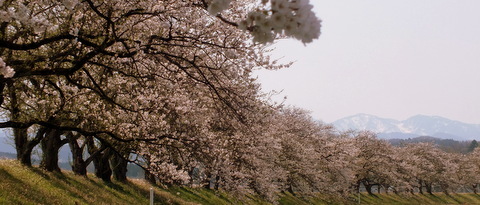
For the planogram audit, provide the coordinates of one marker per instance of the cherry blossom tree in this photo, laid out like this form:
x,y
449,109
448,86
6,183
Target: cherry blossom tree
x,y
427,166
299,155
96,58
374,164
468,167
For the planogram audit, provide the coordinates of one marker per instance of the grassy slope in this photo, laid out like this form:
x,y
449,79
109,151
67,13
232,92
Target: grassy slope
x,y
21,185
437,198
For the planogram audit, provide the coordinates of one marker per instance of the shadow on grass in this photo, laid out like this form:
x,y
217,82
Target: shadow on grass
x,y
454,198
436,198
115,187
39,172
191,195
465,198
15,185
413,197
392,197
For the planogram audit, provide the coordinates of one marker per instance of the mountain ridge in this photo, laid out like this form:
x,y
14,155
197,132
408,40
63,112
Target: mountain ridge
x,y
418,125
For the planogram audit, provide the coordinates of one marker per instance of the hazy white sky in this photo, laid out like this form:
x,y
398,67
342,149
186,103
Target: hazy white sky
x,y
393,59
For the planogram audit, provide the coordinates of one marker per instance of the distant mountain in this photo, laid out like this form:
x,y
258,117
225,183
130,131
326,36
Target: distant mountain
x,y
419,125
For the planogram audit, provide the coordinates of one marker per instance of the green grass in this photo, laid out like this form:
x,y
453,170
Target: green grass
x,y
25,185
407,199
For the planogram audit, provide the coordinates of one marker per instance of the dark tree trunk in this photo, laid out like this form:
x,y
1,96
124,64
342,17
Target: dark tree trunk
x,y
100,160
395,191
23,146
368,187
2,87
428,186
445,188
119,167
24,154
290,183
207,183
420,187
289,189
102,167
217,185
149,177
51,144
475,188
79,166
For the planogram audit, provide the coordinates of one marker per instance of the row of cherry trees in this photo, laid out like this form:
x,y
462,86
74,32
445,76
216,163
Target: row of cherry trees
x,y
168,85
419,167
164,84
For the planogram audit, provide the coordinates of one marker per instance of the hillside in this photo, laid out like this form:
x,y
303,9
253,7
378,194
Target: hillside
x,y
21,185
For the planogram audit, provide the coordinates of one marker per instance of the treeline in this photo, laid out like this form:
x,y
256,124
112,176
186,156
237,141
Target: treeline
x,y
165,85
291,152
447,145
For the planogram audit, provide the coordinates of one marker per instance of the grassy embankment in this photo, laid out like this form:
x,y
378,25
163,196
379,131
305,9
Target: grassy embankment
x,y
22,185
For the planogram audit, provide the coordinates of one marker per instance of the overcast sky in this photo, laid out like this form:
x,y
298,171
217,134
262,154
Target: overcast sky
x,y
393,59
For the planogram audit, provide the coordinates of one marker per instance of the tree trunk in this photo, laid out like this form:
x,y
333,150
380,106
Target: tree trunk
x,y
79,166
102,166
420,187
289,189
149,177
475,188
100,160
207,183
428,186
24,155
23,146
2,87
51,144
119,167
368,187
445,188
217,185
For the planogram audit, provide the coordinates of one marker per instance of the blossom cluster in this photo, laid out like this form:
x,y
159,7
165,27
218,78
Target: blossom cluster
x,y
293,18
5,70
23,15
170,172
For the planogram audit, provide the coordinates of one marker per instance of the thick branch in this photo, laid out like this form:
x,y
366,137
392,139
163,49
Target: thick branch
x,y
34,45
